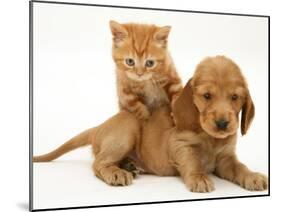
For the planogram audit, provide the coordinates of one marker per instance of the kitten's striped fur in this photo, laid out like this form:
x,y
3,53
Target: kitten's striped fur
x,y
146,76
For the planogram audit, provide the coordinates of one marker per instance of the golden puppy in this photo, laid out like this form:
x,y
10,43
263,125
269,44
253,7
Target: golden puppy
x,y
207,118
203,140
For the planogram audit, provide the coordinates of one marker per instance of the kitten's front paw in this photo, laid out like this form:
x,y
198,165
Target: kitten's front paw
x,y
142,113
255,182
200,183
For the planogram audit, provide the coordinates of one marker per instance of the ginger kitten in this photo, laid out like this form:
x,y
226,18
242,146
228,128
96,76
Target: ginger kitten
x,y
146,76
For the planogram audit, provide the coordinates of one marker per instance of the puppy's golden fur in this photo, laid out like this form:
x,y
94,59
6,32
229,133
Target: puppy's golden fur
x,y
196,146
217,92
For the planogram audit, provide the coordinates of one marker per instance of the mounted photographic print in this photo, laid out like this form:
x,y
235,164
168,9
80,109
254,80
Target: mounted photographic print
x,y
144,105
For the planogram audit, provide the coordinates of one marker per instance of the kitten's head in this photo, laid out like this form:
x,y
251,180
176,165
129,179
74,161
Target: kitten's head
x,y
139,50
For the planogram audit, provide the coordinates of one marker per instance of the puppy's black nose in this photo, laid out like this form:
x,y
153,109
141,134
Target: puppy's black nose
x,y
222,124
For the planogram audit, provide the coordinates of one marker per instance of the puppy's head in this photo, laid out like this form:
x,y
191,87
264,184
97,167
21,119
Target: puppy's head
x,y
213,99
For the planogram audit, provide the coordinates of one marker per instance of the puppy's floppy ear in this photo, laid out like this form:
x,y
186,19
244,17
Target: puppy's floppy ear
x,y
185,113
248,113
161,35
118,31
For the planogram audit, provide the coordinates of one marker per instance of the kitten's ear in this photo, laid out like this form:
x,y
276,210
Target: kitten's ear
x,y
118,31
161,35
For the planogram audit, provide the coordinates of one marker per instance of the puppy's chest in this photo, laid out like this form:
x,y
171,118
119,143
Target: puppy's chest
x,y
152,94
210,152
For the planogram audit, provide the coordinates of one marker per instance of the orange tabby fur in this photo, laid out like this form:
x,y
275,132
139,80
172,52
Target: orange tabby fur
x,y
142,88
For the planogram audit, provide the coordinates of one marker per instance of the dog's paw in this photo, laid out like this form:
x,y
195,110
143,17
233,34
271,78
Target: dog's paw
x,y
255,182
119,177
200,183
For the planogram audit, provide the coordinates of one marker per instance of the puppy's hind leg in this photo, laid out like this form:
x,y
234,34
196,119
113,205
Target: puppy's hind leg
x,y
114,142
106,164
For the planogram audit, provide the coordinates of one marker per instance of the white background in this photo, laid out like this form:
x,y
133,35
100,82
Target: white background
x,y
14,107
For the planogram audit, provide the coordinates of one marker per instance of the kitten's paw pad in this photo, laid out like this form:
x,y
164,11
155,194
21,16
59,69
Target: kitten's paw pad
x,y
255,182
119,177
200,183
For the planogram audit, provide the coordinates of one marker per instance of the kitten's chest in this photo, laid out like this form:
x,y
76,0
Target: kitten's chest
x,y
152,94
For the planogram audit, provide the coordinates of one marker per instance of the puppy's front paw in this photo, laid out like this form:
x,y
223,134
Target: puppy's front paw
x,y
200,183
255,182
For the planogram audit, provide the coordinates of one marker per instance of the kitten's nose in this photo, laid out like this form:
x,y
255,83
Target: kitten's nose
x,y
222,124
139,73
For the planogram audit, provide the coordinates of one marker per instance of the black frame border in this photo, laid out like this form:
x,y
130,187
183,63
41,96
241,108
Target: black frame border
x,y
31,103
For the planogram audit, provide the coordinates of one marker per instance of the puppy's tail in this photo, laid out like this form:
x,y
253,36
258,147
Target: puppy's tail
x,y
82,139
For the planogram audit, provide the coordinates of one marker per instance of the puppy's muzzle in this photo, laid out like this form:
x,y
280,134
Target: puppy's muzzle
x,y
222,124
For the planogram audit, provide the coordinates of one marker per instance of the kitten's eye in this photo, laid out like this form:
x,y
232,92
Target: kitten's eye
x,y
149,63
234,97
130,61
207,96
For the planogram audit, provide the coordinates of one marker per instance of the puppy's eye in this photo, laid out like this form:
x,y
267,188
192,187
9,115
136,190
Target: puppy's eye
x,y
149,63
207,96
234,97
130,61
